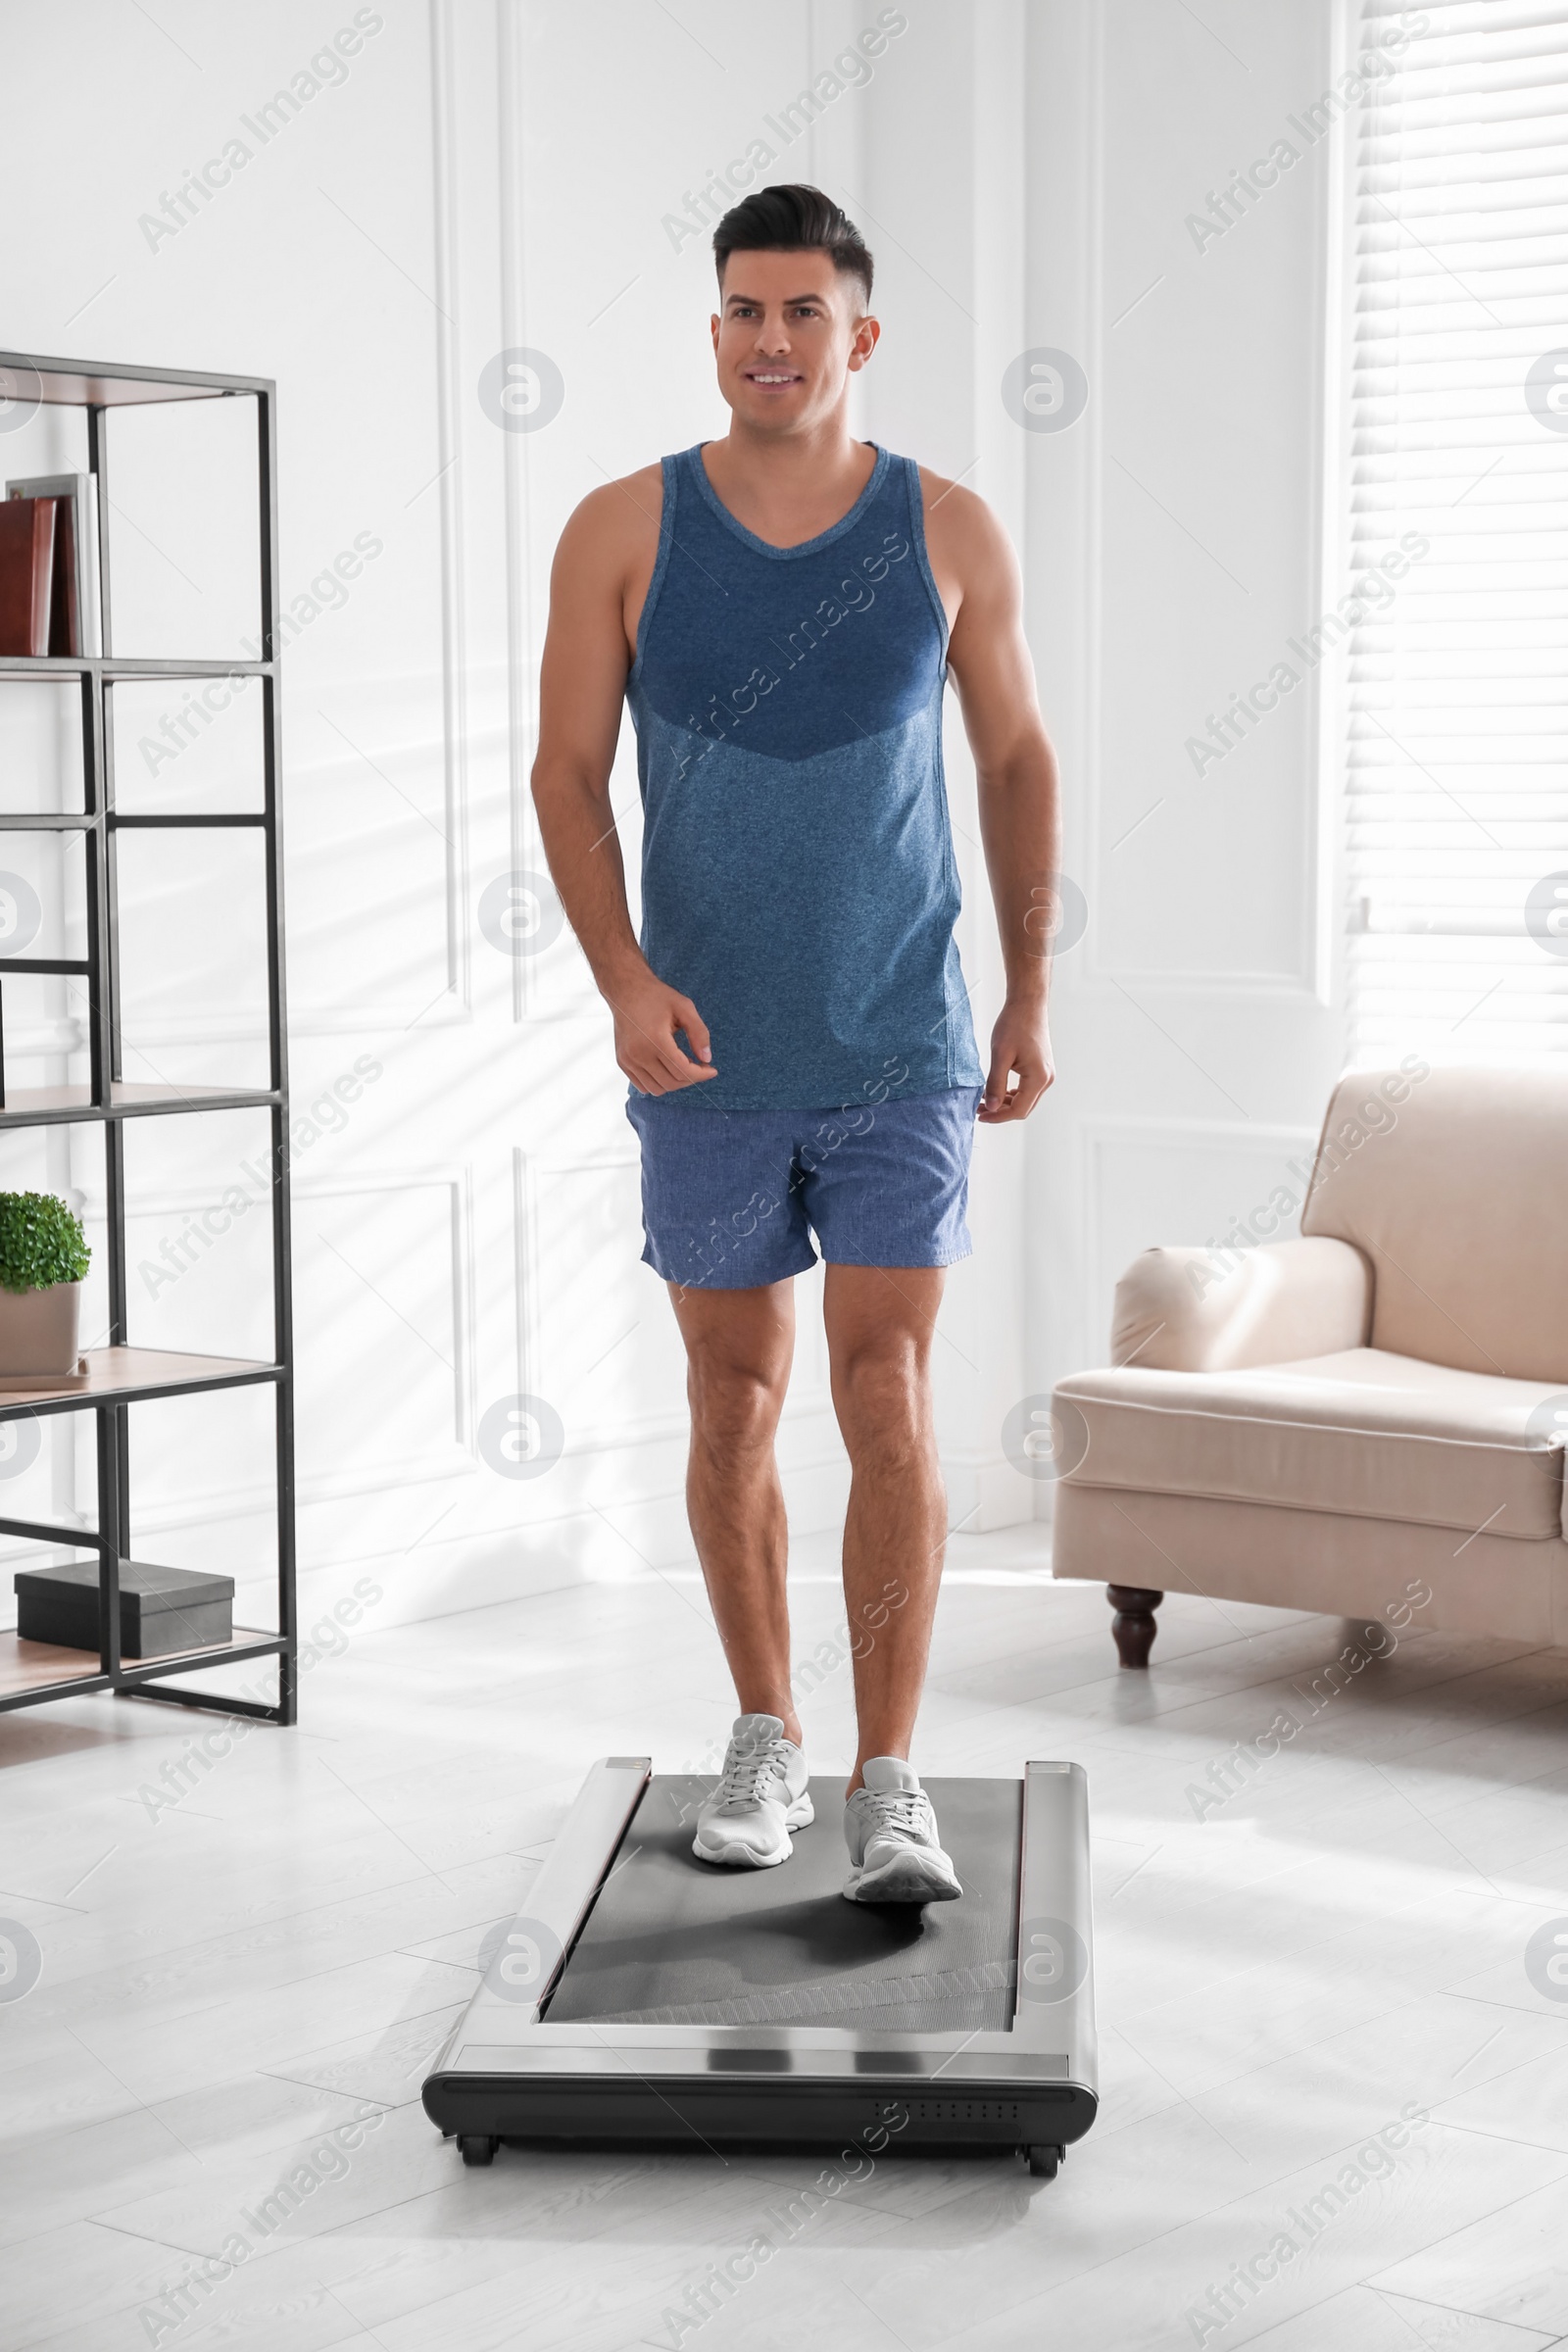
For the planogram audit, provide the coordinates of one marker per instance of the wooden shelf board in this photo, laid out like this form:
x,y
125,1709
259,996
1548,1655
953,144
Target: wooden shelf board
x,y
112,384
127,1094
116,1371
32,1665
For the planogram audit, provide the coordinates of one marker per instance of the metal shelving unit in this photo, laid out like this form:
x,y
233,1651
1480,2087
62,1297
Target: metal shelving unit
x,y
119,1375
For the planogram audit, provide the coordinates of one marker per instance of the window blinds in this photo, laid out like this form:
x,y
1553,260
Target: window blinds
x,y
1456,726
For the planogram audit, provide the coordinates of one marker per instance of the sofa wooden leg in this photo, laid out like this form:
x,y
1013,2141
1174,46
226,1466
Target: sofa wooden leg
x,y
1134,1622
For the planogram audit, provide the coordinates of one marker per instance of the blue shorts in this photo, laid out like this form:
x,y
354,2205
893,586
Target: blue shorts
x,y
731,1199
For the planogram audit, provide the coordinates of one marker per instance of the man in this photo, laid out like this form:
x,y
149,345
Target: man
x,y
781,610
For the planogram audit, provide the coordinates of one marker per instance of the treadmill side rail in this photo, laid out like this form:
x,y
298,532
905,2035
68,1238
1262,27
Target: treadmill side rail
x,y
1053,1991
532,1948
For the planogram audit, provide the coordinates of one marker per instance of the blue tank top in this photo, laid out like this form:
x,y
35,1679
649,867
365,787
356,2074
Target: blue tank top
x,y
798,876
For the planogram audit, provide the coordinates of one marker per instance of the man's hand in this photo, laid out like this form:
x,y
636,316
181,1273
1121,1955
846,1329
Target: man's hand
x,y
646,1017
1020,1043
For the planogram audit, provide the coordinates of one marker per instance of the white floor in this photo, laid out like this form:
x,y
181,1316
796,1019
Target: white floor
x,y
227,1978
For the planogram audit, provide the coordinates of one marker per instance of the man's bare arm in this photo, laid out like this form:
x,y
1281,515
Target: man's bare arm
x,y
1016,769
603,563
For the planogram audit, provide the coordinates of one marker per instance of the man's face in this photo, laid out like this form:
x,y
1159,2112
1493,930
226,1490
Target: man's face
x,y
791,329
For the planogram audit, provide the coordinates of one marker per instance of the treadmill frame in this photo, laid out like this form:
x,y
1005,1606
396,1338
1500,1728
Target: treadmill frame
x,y
506,2073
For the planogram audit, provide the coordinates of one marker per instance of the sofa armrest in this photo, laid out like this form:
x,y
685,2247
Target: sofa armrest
x,y
1211,1310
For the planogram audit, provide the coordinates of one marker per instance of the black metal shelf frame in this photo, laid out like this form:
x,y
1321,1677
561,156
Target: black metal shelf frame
x,y
98,388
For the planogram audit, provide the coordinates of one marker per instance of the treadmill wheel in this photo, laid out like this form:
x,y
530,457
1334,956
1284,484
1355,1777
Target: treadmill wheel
x,y
480,2147
1043,2161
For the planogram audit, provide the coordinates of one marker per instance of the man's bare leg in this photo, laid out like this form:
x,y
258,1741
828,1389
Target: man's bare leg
x,y
739,1344
880,1324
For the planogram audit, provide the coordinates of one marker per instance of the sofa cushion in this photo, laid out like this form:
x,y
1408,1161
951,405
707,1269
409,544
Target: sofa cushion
x,y
1365,1432
1452,1183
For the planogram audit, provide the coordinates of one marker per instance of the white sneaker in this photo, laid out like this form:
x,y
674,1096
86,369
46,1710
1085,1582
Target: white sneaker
x,y
890,1833
758,1797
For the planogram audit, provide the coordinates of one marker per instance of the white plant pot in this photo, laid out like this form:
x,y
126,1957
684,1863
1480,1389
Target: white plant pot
x,y
39,1330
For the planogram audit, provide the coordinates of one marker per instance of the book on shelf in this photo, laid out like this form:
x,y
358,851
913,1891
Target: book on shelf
x,y
26,574
74,593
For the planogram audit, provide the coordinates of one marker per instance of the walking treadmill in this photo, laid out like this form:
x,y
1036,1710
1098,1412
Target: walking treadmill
x,y
647,1999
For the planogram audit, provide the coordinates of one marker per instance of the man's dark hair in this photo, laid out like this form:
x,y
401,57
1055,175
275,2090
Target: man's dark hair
x,y
793,219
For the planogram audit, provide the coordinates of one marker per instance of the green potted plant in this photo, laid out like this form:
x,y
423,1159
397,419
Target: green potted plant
x,y
43,1257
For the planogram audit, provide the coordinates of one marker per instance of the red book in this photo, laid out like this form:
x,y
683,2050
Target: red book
x,y
27,574
73,598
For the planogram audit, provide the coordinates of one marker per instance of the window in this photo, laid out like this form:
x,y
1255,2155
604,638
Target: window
x,y
1456,709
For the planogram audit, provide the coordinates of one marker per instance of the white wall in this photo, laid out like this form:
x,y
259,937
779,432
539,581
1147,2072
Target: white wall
x,y
486,180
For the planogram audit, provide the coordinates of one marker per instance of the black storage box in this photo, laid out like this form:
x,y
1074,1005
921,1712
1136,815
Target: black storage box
x,y
161,1609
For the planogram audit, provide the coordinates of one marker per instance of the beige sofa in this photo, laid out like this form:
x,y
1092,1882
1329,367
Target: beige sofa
x,y
1368,1421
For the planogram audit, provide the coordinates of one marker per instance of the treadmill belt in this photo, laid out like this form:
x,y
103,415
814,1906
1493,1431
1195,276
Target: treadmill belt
x,y
671,1940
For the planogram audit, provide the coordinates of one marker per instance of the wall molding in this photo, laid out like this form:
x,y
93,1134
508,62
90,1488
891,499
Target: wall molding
x,y
1302,985
455,1179
521,649
450,412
